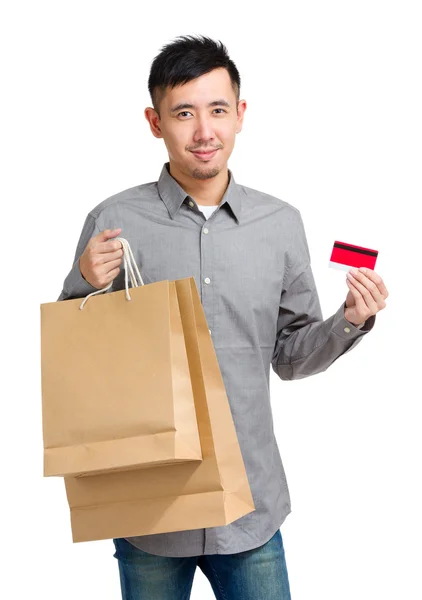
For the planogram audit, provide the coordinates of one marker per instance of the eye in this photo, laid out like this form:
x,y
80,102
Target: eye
x,y
186,112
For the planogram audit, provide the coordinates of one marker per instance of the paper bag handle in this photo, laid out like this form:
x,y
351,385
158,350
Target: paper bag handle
x,y
131,269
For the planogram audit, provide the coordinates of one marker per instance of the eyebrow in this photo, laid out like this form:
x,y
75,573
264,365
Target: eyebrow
x,y
184,105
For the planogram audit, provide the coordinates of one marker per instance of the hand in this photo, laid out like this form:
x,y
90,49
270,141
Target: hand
x,y
99,262
366,296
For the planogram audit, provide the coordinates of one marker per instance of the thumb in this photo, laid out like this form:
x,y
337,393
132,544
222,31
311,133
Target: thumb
x,y
105,235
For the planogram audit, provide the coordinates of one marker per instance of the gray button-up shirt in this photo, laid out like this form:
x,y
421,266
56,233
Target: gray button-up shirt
x,y
251,264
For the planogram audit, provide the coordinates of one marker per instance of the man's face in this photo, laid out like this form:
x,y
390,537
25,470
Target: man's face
x,y
198,122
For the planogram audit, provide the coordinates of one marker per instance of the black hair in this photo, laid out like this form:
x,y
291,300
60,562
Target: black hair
x,y
187,58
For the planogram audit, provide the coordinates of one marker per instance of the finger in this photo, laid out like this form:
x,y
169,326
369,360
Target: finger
x,y
108,277
105,235
107,257
109,267
358,298
108,246
370,286
112,274
367,301
370,273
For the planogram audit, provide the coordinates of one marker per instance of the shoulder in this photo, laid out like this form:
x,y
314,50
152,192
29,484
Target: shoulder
x,y
131,196
255,198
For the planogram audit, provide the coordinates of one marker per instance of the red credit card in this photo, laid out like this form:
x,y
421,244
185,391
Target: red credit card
x,y
344,256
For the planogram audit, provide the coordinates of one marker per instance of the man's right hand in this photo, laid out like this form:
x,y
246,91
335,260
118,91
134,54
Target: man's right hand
x,y
99,262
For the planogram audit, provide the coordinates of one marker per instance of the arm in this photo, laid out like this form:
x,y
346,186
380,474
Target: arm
x,y
75,286
306,344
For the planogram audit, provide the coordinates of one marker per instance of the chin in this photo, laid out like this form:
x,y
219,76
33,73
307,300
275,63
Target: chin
x,y
205,172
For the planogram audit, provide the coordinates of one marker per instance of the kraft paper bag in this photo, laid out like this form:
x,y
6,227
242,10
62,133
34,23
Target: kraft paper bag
x,y
176,497
116,388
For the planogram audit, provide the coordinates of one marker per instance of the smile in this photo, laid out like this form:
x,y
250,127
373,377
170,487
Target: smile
x,y
205,155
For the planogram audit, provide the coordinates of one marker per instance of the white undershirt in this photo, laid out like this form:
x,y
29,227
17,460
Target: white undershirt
x,y
207,210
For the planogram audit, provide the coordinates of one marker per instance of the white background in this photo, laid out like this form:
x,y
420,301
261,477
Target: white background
x,y
334,127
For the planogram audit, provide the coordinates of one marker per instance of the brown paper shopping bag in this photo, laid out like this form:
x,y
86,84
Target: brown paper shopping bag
x,y
116,388
177,497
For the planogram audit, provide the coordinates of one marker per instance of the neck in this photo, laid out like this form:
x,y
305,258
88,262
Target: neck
x,y
207,192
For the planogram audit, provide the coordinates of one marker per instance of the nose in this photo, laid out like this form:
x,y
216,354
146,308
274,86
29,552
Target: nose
x,y
204,130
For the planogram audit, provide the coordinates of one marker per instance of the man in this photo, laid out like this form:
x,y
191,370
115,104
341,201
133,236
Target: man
x,y
250,259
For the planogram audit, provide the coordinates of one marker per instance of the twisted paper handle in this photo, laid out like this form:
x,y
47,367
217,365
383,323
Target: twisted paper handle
x,y
131,270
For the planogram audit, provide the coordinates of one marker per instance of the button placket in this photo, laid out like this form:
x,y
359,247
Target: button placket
x,y
206,271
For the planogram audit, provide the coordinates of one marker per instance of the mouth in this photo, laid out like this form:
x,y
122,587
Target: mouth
x,y
205,155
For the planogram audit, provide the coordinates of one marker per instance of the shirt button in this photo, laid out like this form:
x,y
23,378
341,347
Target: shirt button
x,y
347,329
207,280
205,230
191,203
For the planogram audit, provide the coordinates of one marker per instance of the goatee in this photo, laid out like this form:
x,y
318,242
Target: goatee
x,y
207,174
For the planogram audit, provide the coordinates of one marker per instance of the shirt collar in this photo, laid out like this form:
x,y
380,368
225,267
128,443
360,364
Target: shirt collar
x,y
173,195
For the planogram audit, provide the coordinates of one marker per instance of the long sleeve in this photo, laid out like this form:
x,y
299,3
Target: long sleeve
x,y
305,343
75,286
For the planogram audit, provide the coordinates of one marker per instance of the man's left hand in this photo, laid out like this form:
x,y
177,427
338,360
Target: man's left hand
x,y
367,295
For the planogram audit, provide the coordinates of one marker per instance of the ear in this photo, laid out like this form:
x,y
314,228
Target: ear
x,y
153,119
241,107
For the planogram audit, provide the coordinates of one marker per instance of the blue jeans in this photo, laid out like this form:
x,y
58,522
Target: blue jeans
x,y
258,574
